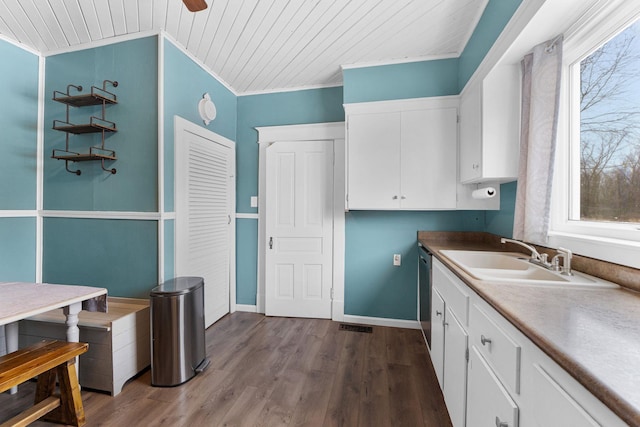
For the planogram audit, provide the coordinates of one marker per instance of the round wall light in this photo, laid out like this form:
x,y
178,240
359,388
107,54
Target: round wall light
x,y
207,109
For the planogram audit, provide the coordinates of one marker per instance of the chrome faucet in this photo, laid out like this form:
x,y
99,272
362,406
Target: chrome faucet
x,y
541,259
535,256
566,256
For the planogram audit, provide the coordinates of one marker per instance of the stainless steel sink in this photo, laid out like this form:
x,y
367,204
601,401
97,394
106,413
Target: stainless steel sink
x,y
517,270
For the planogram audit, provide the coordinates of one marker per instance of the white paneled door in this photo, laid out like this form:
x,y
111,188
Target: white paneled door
x,y
299,229
204,198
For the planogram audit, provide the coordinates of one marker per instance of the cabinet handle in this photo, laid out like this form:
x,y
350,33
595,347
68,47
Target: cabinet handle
x,y
501,423
484,340
403,197
395,198
438,313
445,324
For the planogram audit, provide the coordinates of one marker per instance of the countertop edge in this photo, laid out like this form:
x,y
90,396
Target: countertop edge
x,y
485,241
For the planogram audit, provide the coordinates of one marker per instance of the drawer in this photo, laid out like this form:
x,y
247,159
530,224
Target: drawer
x,y
452,290
499,350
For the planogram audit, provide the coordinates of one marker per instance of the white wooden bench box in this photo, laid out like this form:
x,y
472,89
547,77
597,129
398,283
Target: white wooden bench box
x,y
119,346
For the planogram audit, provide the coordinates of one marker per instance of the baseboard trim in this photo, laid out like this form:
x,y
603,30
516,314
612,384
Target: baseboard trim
x,y
246,307
381,321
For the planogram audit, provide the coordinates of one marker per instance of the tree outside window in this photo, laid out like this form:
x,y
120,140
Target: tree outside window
x,y
610,130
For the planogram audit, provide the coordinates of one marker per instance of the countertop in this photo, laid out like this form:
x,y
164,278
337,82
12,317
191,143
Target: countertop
x,y
594,334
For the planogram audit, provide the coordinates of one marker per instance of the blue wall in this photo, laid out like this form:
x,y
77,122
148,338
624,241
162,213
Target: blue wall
x,y
373,286
18,249
284,108
134,64
19,124
120,255
184,84
400,81
493,20
501,222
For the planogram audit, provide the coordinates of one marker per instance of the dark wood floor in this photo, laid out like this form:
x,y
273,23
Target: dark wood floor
x,y
281,372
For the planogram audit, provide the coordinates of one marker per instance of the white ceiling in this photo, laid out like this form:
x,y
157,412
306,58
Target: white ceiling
x,y
258,45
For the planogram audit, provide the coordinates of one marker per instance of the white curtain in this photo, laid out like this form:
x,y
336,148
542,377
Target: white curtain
x,y
539,123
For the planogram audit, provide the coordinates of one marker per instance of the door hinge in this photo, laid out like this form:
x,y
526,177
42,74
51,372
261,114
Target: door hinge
x,y
331,293
270,242
466,354
458,119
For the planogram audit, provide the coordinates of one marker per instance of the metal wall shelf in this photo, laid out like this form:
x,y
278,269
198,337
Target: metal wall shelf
x,y
97,96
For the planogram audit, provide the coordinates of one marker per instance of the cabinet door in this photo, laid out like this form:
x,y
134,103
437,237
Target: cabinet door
x,y
437,334
490,404
373,156
428,159
470,134
501,123
552,405
455,368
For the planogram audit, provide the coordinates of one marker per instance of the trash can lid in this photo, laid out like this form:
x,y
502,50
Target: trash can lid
x,y
177,286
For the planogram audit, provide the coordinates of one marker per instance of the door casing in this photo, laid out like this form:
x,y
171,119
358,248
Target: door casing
x,y
334,131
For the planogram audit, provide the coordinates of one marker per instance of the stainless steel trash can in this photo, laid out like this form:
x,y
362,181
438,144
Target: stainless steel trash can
x,y
177,331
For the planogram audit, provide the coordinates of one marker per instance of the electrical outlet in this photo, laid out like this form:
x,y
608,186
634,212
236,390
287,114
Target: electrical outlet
x,y
254,202
396,260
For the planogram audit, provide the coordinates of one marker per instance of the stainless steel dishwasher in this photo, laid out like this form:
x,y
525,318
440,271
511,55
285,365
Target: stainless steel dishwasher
x,y
424,292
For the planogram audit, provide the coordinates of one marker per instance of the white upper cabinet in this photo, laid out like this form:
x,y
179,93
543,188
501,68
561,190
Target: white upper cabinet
x,y
401,155
490,127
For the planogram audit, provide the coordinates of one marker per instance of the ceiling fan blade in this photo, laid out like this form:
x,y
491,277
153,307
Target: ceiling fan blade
x,y
195,5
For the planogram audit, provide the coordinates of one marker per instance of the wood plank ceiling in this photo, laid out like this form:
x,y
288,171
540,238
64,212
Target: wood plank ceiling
x,y
258,45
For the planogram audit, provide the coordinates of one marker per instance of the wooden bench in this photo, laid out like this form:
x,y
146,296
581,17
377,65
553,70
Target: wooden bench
x,y
46,360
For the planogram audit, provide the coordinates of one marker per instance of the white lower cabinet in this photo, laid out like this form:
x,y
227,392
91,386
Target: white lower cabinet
x,y
449,341
491,374
455,368
437,335
489,402
552,405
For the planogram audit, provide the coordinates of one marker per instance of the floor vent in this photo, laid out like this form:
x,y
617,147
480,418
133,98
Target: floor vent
x,y
356,328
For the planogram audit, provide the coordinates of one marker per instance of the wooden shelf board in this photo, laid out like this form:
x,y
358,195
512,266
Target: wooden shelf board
x,y
84,100
84,128
85,157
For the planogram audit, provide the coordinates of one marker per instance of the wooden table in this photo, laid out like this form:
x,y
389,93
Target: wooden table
x,y
20,300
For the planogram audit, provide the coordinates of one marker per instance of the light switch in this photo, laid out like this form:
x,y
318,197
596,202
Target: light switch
x,y
254,201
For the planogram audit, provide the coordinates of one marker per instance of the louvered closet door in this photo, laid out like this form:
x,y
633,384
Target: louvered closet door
x,y
203,174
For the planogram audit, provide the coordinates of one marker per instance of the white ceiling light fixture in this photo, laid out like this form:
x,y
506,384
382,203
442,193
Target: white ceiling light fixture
x,y
207,109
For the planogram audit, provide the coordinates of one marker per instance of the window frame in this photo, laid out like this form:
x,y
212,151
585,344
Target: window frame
x,y
619,243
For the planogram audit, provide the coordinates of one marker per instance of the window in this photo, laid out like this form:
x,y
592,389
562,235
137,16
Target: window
x,y
596,204
609,137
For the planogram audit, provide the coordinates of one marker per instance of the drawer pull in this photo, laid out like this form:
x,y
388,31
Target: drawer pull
x,y
484,340
501,423
438,313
